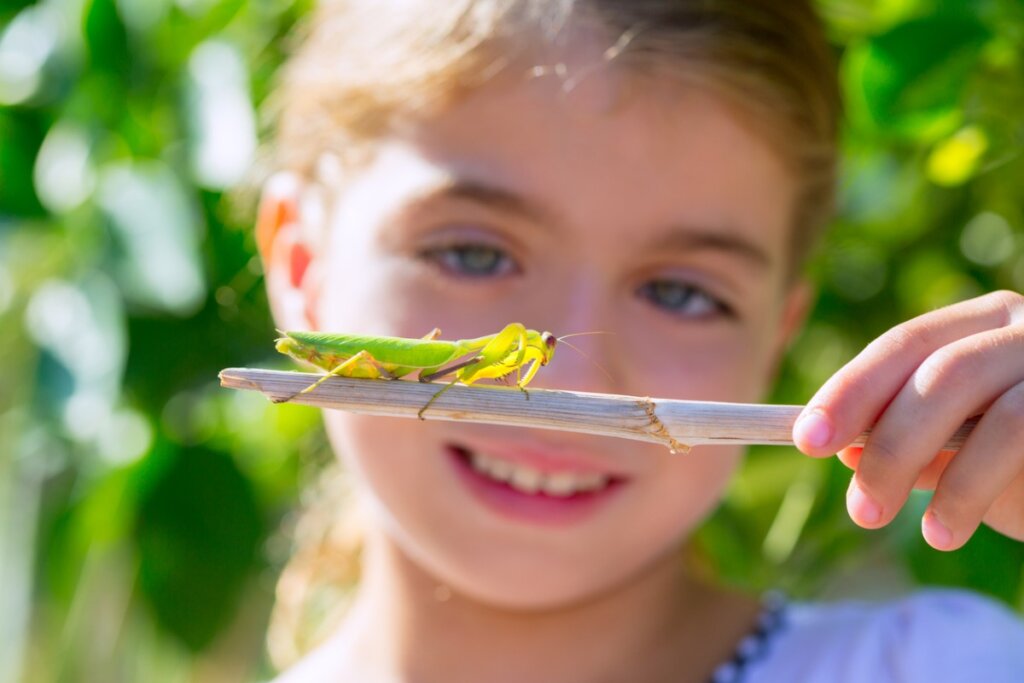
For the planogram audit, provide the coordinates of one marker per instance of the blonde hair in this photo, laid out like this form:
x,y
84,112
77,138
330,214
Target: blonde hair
x,y
364,66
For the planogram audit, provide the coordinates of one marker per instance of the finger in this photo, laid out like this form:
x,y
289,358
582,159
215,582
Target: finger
x,y
952,384
857,394
1006,515
850,456
990,460
926,479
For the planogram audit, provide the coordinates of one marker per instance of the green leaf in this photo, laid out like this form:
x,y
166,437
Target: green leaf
x,y
955,160
198,531
106,38
989,563
909,82
20,138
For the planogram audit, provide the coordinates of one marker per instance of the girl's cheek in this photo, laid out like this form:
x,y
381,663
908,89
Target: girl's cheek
x,y
369,294
725,366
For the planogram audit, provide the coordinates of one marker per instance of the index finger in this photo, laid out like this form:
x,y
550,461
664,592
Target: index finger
x,y
853,398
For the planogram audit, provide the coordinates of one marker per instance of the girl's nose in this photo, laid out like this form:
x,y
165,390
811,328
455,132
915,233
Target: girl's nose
x,y
588,358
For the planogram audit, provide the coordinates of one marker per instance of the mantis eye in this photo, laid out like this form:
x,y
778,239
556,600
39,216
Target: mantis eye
x,y
550,341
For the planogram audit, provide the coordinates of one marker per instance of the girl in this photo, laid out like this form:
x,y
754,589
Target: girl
x,y
656,170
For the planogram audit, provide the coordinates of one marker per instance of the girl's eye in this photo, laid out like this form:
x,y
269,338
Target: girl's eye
x,y
472,260
682,299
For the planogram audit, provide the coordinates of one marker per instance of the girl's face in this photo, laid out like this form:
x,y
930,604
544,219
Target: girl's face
x,y
654,217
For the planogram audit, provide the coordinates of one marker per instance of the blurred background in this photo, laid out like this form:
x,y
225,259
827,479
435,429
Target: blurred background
x,y
145,513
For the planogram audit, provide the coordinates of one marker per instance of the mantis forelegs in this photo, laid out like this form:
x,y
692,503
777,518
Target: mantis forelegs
x,y
503,353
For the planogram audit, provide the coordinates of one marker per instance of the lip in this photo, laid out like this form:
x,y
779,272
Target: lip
x,y
534,508
547,458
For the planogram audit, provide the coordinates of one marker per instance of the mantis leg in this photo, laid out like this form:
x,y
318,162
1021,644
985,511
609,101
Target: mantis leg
x,y
530,372
531,356
344,367
494,350
504,353
491,357
433,398
467,346
499,356
534,356
442,372
520,358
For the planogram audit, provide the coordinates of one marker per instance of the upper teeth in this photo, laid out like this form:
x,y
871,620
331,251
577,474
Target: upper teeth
x,y
529,480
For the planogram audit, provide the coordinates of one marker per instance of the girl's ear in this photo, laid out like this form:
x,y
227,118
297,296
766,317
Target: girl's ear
x,y
796,308
288,258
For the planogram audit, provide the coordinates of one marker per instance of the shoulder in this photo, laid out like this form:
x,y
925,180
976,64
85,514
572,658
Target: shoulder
x,y
933,635
333,660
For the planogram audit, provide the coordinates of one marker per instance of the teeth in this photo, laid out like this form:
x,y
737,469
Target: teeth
x,y
529,480
559,484
592,482
525,479
502,470
496,469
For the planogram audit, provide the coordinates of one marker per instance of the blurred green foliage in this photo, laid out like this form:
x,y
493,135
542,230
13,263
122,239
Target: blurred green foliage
x,y
140,505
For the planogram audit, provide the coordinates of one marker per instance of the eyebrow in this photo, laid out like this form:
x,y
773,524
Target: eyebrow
x,y
497,198
680,237
695,238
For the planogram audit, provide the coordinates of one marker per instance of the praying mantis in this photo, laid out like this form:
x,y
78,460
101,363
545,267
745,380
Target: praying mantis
x,y
494,356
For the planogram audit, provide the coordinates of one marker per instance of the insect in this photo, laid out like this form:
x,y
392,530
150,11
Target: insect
x,y
494,356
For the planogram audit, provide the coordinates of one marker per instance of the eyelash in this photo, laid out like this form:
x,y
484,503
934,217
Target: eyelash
x,y
684,295
452,260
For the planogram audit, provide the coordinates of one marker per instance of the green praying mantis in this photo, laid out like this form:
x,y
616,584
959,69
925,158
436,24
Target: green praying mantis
x,y
494,356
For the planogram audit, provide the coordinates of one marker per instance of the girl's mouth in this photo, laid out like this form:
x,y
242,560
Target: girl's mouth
x,y
520,491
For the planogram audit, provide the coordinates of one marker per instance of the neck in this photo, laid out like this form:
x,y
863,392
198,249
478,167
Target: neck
x,y
658,626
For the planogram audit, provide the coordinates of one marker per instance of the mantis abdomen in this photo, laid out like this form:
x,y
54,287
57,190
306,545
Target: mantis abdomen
x,y
398,355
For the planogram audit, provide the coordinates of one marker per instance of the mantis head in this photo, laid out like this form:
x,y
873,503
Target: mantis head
x,y
548,343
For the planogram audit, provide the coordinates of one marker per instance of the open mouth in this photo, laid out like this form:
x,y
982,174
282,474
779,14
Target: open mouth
x,y
524,491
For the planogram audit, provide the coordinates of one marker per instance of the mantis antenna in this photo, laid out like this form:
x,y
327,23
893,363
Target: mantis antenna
x,y
561,340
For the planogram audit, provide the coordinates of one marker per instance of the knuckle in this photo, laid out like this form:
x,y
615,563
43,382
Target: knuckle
x,y
1007,297
881,453
905,337
1008,410
1010,303
943,370
958,498
953,491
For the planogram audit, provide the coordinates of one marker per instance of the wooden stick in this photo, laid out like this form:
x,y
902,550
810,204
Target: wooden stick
x,y
676,424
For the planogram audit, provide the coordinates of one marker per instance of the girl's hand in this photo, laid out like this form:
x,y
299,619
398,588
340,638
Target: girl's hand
x,y
916,384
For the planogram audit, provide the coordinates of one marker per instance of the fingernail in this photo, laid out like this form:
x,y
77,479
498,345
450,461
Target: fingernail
x,y
813,429
862,508
935,532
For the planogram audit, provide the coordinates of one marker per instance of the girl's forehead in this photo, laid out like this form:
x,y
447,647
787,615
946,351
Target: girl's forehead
x,y
580,67
575,110
608,125
659,158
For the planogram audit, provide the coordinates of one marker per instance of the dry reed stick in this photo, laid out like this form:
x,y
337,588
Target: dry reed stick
x,y
672,423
